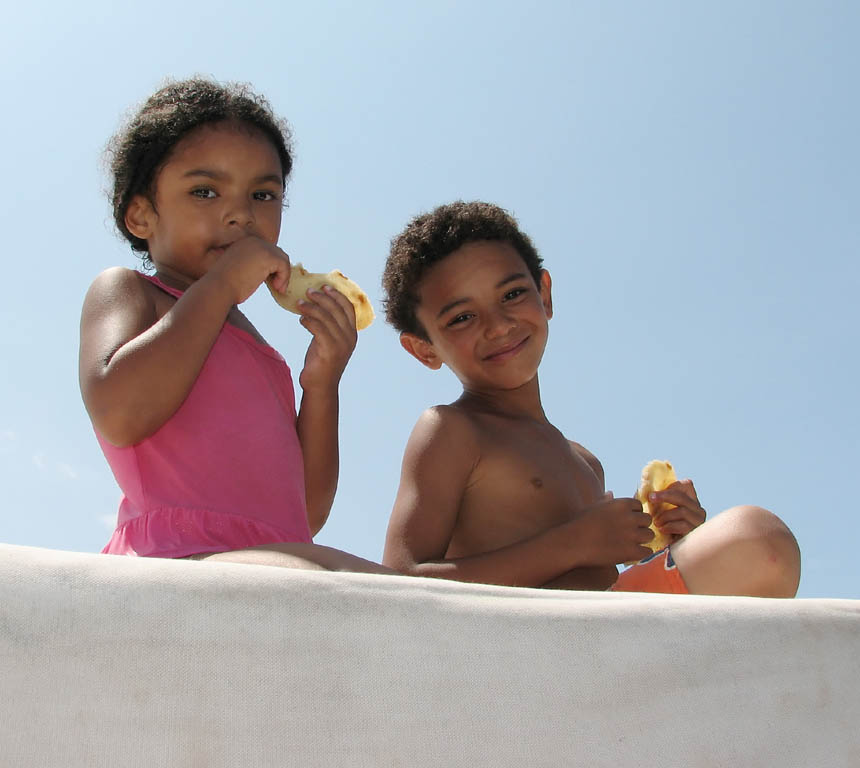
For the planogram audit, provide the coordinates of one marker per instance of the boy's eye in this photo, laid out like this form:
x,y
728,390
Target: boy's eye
x,y
461,318
205,193
513,293
265,195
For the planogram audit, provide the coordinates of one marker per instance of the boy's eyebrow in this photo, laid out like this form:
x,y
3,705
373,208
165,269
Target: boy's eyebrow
x,y
216,175
509,279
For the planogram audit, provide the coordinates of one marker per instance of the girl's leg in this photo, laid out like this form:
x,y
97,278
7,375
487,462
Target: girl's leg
x,y
311,557
743,551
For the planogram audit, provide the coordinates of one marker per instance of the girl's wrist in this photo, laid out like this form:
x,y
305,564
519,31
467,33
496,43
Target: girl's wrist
x,y
321,391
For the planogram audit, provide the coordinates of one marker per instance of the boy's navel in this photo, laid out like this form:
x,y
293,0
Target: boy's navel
x,y
537,482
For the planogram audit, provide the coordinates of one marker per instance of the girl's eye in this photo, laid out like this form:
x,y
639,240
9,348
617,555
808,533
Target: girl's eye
x,y
265,195
203,192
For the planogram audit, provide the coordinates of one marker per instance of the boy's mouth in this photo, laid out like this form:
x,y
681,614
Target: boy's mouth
x,y
509,350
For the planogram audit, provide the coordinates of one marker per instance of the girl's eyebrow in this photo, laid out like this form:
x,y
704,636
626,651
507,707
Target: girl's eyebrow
x,y
509,279
218,175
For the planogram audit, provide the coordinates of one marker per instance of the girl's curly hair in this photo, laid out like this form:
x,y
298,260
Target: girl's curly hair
x,y
140,149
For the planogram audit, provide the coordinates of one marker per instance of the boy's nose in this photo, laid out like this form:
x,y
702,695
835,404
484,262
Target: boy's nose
x,y
498,324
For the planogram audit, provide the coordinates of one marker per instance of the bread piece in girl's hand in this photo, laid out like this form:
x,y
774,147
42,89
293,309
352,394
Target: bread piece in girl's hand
x,y
656,476
301,280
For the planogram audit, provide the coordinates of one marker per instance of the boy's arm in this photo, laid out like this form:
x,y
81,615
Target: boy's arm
x,y
438,461
596,576
330,318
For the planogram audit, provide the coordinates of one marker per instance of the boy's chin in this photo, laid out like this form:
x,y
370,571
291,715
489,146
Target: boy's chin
x,y
501,384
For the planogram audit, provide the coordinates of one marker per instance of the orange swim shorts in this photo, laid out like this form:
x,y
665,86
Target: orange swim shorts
x,y
657,573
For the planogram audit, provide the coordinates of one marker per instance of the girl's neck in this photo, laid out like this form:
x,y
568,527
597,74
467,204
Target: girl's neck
x,y
173,279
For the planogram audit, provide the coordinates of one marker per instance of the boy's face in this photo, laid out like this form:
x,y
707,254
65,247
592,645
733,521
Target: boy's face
x,y
484,316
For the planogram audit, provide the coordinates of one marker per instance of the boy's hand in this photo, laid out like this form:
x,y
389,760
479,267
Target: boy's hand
x,y
614,531
687,513
330,317
247,263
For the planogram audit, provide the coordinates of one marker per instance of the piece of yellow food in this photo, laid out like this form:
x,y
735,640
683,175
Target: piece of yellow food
x,y
656,476
301,280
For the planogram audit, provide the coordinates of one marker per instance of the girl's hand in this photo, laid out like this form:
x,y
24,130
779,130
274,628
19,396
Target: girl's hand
x,y
687,513
247,263
330,317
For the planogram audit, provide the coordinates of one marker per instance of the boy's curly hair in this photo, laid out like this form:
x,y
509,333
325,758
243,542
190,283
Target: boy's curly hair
x,y
431,237
140,149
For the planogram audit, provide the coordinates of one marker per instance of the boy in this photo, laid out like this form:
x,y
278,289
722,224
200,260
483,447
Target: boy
x,y
490,490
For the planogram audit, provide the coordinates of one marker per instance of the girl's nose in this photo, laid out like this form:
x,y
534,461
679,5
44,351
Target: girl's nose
x,y
239,213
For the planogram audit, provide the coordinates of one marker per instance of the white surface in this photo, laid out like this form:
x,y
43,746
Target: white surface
x,y
143,662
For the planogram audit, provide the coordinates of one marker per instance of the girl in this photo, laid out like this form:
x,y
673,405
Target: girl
x,y
194,411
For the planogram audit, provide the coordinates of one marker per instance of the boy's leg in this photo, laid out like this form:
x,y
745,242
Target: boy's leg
x,y
311,557
742,551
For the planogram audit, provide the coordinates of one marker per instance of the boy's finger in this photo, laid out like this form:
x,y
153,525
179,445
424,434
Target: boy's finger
x,y
693,516
674,496
677,528
643,520
684,487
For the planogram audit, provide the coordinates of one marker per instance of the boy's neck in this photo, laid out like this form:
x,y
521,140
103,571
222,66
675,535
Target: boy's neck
x,y
521,402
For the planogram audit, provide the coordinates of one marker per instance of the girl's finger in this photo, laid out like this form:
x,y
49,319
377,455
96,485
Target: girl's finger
x,y
344,303
338,307
279,277
316,307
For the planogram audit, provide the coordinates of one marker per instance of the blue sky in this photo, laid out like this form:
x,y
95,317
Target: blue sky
x,y
687,170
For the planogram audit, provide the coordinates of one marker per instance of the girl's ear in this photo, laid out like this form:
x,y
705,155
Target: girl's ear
x,y
421,350
140,217
546,292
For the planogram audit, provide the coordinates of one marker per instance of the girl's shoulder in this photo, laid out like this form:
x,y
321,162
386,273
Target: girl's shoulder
x,y
123,287
123,292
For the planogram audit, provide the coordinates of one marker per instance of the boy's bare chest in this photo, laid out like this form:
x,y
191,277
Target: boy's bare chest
x,y
527,480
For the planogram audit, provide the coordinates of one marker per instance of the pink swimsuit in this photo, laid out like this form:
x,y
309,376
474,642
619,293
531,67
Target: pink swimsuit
x,y
225,471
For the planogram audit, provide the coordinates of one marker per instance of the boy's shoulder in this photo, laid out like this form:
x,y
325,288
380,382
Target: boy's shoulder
x,y
589,458
449,420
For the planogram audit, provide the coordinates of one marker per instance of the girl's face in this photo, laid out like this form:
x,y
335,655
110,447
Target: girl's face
x,y
221,183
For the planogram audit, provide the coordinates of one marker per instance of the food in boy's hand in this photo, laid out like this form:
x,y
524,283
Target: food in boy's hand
x,y
656,476
301,281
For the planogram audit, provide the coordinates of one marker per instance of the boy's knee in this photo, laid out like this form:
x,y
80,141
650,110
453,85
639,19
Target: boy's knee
x,y
773,549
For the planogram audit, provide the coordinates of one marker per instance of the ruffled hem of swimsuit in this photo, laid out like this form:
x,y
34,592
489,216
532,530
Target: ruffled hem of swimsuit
x,y
179,532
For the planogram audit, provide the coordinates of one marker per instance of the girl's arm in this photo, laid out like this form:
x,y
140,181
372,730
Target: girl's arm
x,y
136,364
330,318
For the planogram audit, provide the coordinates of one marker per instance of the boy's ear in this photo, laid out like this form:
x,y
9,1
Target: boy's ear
x,y
140,217
546,292
421,350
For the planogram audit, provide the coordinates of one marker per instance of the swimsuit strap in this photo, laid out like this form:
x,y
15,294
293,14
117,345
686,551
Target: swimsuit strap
x,y
175,292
